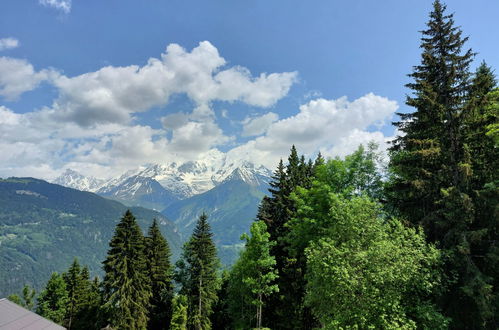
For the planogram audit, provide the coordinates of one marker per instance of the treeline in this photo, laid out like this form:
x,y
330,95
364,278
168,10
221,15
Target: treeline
x,y
340,243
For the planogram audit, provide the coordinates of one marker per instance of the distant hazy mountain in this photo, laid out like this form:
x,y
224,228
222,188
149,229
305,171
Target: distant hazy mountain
x,y
231,207
44,226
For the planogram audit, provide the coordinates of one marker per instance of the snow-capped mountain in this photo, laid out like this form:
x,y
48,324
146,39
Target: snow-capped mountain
x,y
73,179
180,180
139,191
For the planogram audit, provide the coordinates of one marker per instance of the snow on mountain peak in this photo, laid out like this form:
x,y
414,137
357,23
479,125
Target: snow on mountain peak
x,y
73,179
182,179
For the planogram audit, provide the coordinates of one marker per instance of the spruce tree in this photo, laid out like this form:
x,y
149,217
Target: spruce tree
x,y
160,275
432,166
286,309
426,158
127,289
53,300
197,273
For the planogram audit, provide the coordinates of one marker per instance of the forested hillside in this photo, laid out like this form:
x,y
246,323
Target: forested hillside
x,y
44,226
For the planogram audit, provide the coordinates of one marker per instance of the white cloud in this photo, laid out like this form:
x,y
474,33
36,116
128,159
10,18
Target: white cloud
x,y
334,126
258,125
114,94
90,126
18,76
8,43
62,5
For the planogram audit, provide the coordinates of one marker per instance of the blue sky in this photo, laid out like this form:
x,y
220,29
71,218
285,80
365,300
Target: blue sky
x,y
91,85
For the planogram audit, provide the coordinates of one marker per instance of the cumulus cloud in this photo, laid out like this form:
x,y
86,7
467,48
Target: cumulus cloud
x,y
114,94
62,5
18,76
93,124
332,126
258,125
8,43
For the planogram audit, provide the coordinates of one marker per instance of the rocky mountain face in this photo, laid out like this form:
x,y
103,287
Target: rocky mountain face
x,y
75,180
169,182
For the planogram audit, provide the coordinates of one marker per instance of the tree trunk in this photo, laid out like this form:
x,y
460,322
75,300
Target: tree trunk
x,y
259,312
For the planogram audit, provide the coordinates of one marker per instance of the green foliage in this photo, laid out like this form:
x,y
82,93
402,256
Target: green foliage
x,y
127,289
15,299
179,315
44,226
232,199
160,274
286,308
442,164
53,300
27,300
83,298
197,274
254,275
220,318
366,273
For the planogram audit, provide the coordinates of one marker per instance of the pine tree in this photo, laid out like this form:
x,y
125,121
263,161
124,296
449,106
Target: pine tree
x,y
432,165
53,300
197,273
126,286
160,275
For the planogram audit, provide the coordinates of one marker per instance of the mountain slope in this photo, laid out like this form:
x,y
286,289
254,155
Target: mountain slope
x,y
231,207
139,191
75,180
180,179
43,226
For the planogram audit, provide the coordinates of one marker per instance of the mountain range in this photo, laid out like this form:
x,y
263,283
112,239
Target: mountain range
x,y
228,191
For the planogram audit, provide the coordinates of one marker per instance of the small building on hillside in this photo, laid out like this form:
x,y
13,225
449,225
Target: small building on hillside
x,y
15,317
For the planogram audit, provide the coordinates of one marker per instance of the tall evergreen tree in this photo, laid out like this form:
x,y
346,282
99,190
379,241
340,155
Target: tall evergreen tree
x,y
426,158
160,275
286,309
76,287
53,300
432,165
197,273
127,289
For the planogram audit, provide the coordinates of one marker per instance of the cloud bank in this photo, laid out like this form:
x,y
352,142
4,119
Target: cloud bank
x,y
95,123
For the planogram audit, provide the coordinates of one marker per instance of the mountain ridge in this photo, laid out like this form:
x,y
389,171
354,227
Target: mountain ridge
x,y
43,226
